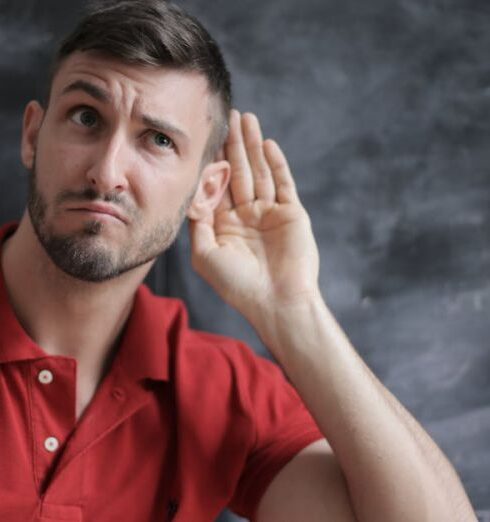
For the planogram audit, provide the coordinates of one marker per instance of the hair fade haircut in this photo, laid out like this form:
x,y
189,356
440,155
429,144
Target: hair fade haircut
x,y
155,33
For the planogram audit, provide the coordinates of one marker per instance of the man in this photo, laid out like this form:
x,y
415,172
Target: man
x,y
111,407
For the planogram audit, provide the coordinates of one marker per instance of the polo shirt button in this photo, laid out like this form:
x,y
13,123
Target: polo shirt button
x,y
45,377
51,444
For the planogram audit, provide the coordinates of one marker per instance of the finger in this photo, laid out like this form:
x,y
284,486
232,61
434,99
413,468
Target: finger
x,y
226,202
254,144
281,173
202,238
241,182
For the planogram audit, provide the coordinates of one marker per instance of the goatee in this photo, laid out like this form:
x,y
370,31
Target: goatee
x,y
85,254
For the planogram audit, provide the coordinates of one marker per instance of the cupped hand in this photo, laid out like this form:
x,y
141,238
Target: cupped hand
x,y
258,249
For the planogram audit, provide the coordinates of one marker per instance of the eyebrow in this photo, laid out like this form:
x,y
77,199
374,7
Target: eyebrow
x,y
164,127
105,97
90,89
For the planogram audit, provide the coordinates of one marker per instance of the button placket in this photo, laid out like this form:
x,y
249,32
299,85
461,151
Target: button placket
x,y
45,377
53,407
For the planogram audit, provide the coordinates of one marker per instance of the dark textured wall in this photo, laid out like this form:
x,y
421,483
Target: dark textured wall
x,y
383,108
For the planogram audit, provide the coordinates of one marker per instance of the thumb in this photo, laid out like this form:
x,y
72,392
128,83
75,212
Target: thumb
x,y
202,237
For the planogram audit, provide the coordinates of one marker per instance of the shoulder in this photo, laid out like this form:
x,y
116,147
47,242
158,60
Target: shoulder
x,y
220,373
169,316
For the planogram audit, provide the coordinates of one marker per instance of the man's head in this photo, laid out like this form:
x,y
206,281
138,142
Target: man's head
x,y
125,144
155,33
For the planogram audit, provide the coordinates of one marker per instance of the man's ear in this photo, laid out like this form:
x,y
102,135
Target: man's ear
x,y
210,190
33,118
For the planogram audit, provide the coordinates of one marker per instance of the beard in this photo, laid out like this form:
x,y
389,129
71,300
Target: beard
x,y
83,254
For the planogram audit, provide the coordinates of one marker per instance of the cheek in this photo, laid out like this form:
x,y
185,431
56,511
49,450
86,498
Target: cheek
x,y
163,200
58,165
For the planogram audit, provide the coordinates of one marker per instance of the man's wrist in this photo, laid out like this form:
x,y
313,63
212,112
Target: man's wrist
x,y
282,324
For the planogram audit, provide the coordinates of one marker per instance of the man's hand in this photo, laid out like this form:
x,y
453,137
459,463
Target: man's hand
x,y
257,250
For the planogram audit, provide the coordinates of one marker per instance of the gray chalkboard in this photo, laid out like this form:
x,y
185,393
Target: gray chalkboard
x,y
383,108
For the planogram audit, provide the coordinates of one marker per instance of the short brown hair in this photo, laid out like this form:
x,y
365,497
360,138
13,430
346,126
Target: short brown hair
x,y
155,33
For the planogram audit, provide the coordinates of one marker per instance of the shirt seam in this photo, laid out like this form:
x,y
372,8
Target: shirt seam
x,y
27,371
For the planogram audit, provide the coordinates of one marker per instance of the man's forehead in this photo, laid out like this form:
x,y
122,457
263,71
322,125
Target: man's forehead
x,y
113,78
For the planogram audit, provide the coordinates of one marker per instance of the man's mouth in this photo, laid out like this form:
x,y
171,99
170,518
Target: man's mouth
x,y
100,209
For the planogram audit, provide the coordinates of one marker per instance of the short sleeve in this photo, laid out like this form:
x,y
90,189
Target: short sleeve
x,y
283,427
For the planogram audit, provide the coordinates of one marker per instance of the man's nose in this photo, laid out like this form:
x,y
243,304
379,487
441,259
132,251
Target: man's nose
x,y
110,167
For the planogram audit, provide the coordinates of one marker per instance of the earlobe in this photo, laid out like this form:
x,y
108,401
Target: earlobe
x,y
33,118
212,186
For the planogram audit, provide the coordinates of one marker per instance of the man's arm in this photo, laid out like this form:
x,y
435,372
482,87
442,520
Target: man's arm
x,y
392,468
257,250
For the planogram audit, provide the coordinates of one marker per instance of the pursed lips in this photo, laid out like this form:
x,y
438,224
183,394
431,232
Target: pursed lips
x,y
99,208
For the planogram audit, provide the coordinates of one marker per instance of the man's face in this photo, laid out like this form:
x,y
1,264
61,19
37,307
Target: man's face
x,y
115,163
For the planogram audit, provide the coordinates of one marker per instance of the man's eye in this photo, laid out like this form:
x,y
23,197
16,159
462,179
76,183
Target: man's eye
x,y
163,141
85,117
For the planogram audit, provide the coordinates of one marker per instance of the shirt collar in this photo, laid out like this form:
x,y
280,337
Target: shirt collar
x,y
15,344
144,350
144,347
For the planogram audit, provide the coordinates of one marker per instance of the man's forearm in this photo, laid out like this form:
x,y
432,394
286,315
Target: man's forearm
x,y
394,471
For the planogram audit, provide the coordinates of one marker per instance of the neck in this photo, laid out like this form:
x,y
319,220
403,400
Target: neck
x,y
63,315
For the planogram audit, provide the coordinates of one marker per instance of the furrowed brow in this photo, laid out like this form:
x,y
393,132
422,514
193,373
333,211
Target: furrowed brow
x,y
164,126
89,88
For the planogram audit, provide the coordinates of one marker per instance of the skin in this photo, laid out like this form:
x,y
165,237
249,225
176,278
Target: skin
x,y
378,464
117,158
80,131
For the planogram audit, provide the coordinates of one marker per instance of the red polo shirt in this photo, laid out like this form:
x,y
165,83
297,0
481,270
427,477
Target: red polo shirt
x,y
184,424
